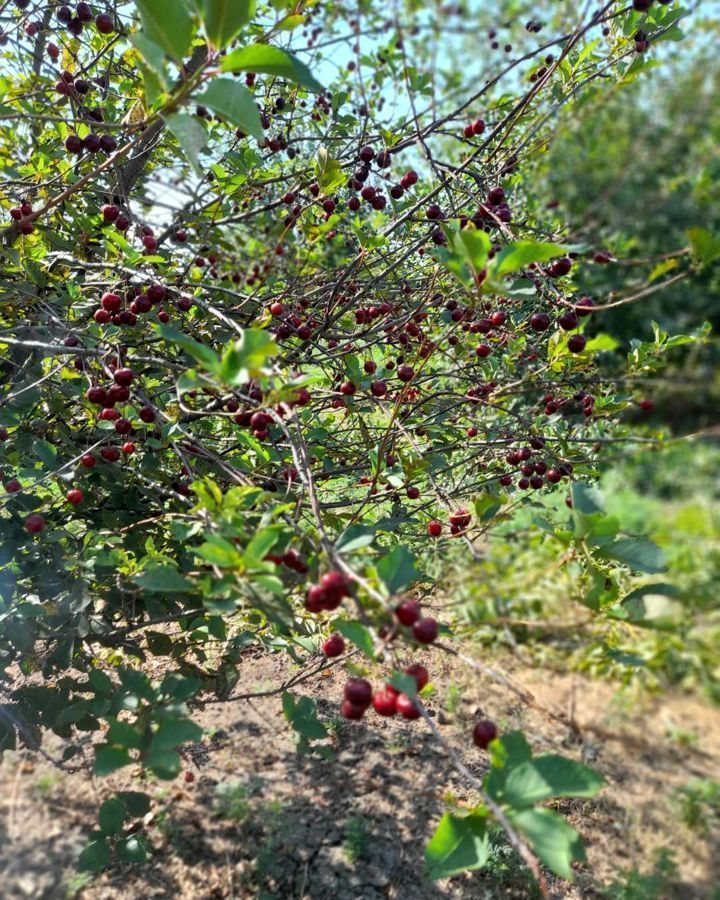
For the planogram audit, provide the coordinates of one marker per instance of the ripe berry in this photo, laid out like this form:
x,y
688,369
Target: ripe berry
x,y
74,144
385,702
358,691
334,646
351,710
419,673
87,460
123,376
408,612
104,23
110,454
413,492
34,523
434,528
407,707
433,211
74,496
576,343
484,732
378,388
425,630
12,486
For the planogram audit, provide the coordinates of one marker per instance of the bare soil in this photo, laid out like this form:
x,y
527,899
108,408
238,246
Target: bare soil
x,y
260,821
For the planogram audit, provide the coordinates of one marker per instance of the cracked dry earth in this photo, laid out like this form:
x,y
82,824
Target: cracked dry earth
x,y
259,821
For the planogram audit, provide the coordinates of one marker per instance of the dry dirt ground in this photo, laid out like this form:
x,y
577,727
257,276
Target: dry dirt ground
x,y
259,821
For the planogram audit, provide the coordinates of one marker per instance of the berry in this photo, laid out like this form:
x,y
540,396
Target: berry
x,y
34,523
407,707
378,388
484,732
419,673
358,691
75,496
334,646
425,631
12,486
104,23
123,376
408,612
576,343
352,710
434,528
87,460
385,702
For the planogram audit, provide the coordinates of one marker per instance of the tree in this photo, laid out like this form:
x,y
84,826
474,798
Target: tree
x,y
279,323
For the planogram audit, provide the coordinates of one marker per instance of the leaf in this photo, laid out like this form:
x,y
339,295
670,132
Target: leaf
x,y
172,30
520,254
95,856
191,136
112,815
136,802
548,776
219,552
246,357
152,54
460,843
271,61
555,842
397,569
223,19
704,246
163,763
133,848
586,500
359,635
328,171
162,579
234,103
109,758
302,716
355,537
174,732
640,554
198,351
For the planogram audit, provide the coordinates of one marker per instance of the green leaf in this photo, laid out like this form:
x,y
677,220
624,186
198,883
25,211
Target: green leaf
x,y
163,763
223,19
123,734
133,848
586,500
355,537
640,554
219,552
555,842
174,732
198,351
302,716
328,171
520,254
109,758
191,136
136,802
100,682
271,61
153,56
112,815
548,776
95,856
705,246
460,843
163,579
397,569
234,103
246,357
172,30
359,635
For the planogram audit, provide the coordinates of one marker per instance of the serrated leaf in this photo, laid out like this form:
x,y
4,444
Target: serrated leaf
x,y
640,554
460,843
153,56
198,351
234,103
548,776
271,61
163,579
397,569
219,552
174,732
520,254
246,357
163,763
109,758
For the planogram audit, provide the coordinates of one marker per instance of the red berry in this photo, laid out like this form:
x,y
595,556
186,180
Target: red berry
x,y
352,710
407,707
434,528
87,460
408,612
385,702
34,523
576,343
484,732
378,388
12,486
75,496
419,673
358,691
334,646
123,376
425,630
